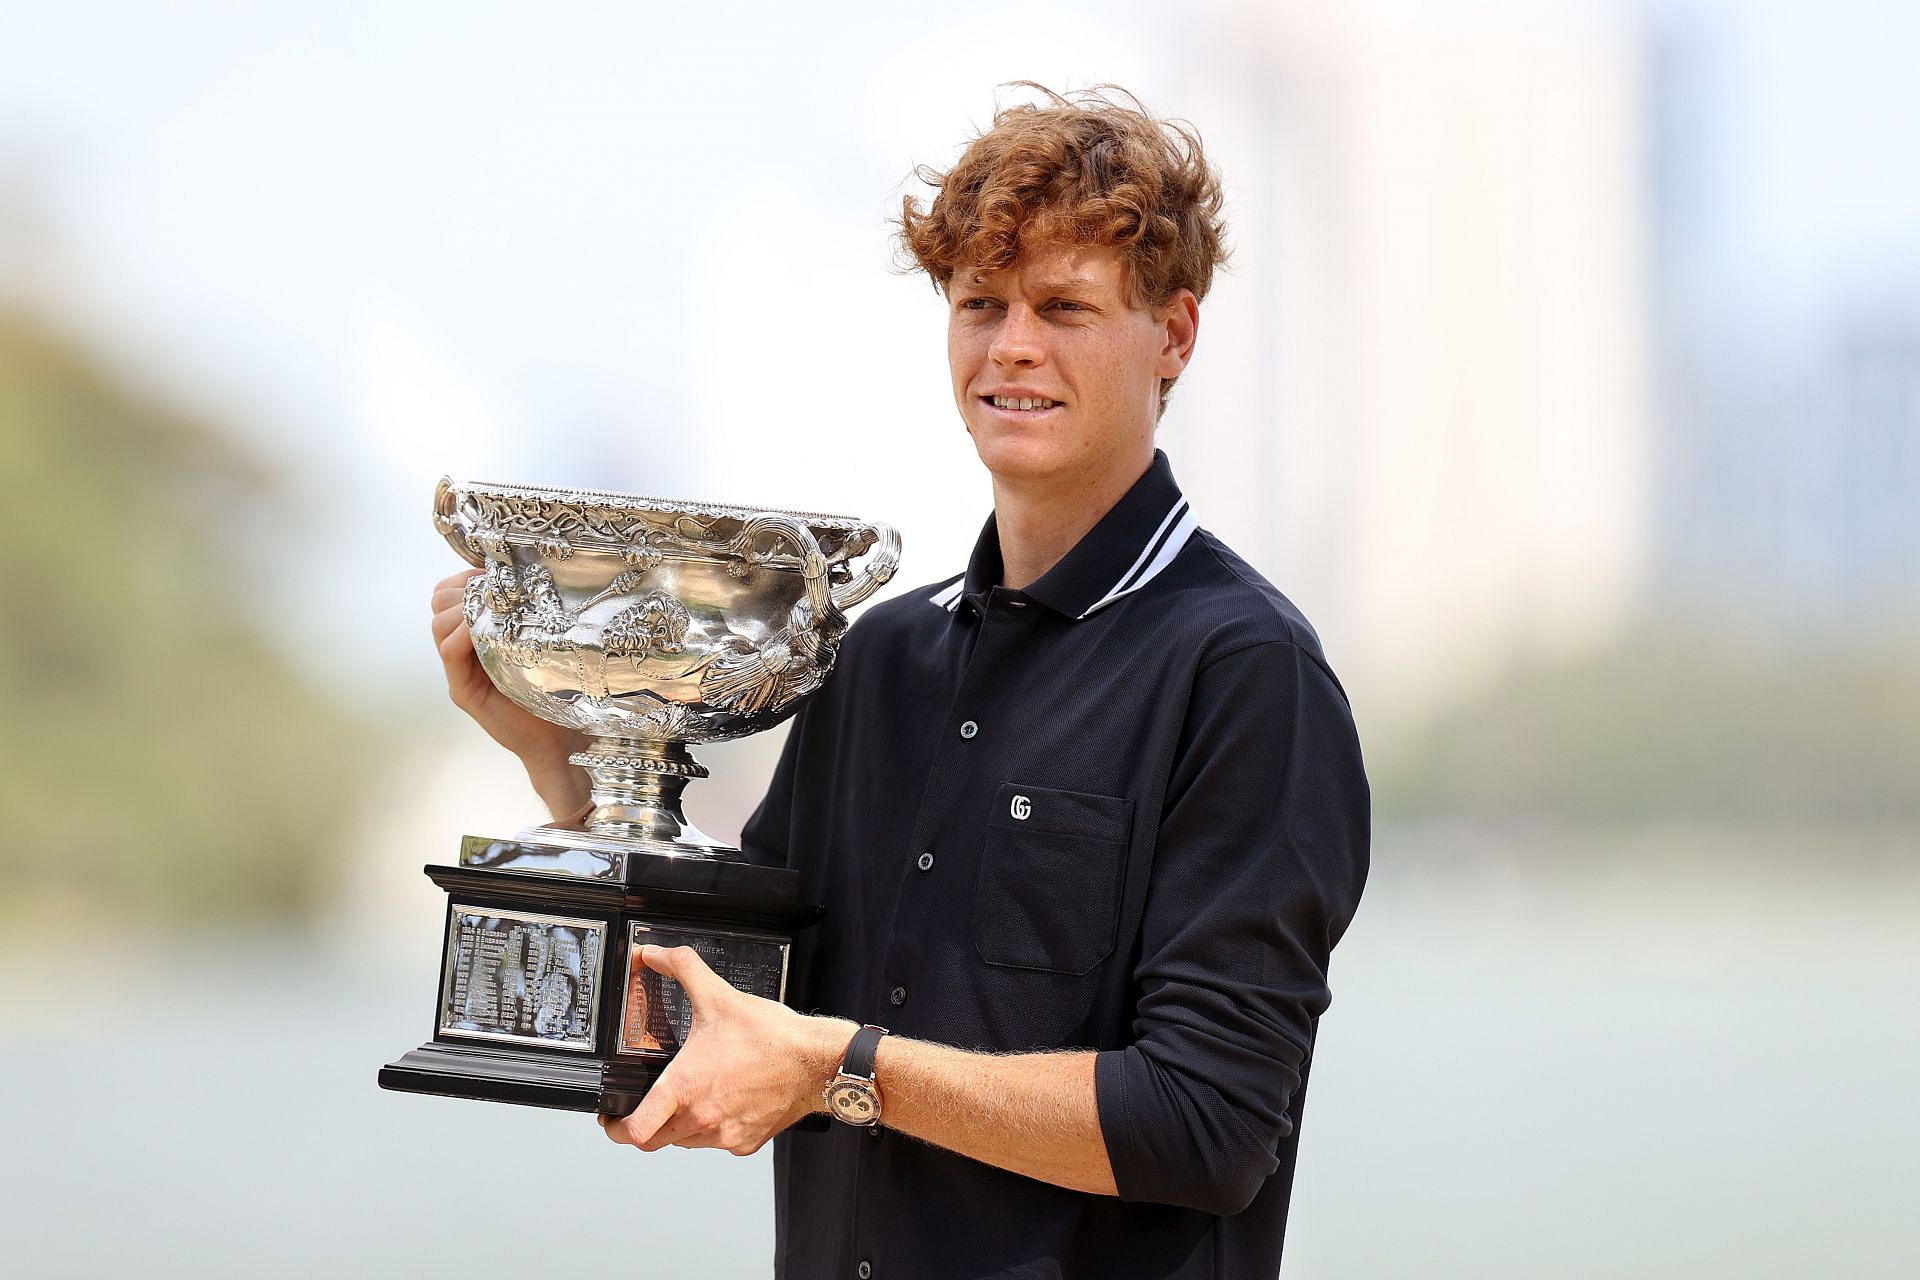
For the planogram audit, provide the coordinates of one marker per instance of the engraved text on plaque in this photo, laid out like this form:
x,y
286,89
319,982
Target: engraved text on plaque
x,y
511,975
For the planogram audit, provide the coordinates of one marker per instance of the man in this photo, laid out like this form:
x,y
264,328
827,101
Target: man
x,y
1089,818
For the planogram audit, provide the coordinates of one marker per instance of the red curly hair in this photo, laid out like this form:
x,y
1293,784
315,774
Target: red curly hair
x,y
1092,167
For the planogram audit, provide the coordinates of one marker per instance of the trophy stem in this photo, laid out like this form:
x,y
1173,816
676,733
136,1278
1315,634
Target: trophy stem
x,y
636,789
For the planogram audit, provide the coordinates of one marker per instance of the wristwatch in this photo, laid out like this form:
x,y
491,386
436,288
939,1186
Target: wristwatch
x,y
852,1096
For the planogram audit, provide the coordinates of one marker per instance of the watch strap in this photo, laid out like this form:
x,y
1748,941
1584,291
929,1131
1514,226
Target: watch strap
x,y
861,1051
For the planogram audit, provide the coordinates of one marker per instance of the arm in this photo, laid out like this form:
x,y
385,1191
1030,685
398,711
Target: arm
x,y
1031,1113
1261,857
752,1067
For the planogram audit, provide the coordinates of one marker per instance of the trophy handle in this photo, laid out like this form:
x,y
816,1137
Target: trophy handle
x,y
876,572
446,519
817,611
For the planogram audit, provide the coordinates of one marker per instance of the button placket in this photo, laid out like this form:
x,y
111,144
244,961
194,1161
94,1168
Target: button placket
x,y
956,762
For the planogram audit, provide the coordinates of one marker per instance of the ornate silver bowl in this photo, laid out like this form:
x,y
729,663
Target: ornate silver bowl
x,y
650,624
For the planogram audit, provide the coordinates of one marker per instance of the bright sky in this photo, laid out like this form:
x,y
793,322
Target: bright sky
x,y
644,247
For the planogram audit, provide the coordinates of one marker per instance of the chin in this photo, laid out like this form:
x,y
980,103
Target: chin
x,y
1019,456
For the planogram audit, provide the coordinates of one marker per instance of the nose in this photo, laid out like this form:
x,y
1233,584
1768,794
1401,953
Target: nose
x,y
1017,341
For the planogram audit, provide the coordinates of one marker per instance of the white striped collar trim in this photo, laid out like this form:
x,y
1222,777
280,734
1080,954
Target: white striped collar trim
x,y
948,597
1167,543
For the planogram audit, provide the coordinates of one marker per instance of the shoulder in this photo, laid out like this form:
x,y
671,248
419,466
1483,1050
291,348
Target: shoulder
x,y
909,610
1228,607
896,623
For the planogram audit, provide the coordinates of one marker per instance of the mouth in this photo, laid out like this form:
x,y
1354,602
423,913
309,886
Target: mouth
x,y
1022,406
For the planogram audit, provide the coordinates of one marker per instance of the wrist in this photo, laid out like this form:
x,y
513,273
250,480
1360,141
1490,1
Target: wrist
x,y
824,1049
562,787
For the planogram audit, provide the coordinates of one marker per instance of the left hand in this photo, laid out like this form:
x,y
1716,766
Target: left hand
x,y
750,1067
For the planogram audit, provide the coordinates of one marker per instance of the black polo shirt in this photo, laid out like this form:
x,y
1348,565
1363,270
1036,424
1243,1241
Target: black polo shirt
x,y
1120,810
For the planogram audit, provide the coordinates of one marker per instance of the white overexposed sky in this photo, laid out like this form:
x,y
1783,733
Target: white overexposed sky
x,y
645,247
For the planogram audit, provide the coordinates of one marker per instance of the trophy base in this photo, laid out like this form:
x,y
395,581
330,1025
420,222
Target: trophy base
x,y
543,998
528,1078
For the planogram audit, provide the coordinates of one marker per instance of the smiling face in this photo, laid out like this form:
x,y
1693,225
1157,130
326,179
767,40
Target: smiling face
x,y
1055,371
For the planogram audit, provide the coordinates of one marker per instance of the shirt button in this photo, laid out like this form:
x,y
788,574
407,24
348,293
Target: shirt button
x,y
898,995
925,862
968,729
865,1270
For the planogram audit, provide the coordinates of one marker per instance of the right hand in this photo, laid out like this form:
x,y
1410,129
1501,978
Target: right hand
x,y
543,747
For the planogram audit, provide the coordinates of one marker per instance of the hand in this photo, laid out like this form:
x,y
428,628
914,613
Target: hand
x,y
543,747
749,1068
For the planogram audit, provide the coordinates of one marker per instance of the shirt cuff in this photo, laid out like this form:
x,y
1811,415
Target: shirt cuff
x,y
1169,1145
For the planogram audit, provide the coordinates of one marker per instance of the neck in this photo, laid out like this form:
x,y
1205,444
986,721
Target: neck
x,y
1040,521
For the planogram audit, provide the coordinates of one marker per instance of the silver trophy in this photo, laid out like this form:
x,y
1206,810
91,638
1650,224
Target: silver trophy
x,y
647,625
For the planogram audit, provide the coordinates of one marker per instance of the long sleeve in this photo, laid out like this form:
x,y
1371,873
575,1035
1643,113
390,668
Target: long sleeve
x,y
1259,863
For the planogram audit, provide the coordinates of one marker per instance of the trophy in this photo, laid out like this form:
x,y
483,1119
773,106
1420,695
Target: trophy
x,y
647,625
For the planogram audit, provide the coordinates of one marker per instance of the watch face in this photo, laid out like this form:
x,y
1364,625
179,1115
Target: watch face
x,y
853,1101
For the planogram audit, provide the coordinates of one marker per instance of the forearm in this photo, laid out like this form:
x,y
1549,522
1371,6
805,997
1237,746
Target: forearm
x,y
752,1067
1032,1113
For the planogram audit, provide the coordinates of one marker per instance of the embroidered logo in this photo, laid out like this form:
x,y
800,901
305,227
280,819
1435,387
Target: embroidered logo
x,y
1021,807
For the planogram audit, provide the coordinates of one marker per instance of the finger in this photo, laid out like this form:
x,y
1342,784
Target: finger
x,y
682,1131
449,624
456,646
449,620
456,580
686,967
615,1127
445,598
467,681
654,1113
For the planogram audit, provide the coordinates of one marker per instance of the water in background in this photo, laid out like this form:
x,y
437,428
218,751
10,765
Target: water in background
x,y
1681,1055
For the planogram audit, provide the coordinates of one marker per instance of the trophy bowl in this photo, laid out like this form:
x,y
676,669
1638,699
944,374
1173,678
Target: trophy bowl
x,y
650,624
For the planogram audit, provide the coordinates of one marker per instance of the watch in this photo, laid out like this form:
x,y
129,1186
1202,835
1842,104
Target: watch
x,y
852,1096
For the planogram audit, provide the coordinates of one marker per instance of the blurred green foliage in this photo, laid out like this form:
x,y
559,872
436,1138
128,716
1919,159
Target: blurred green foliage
x,y
157,755
1680,726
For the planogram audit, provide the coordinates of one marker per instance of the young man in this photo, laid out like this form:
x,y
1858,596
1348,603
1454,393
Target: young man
x,y
1089,818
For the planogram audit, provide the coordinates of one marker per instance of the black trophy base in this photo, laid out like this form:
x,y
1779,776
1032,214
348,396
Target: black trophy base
x,y
543,1000
526,1077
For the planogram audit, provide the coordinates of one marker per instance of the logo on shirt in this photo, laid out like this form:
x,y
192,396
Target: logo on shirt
x,y
1021,807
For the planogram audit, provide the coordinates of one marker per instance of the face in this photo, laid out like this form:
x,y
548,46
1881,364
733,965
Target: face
x,y
1056,373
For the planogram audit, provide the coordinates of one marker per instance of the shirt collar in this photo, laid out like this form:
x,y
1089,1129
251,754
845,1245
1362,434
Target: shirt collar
x,y
1132,543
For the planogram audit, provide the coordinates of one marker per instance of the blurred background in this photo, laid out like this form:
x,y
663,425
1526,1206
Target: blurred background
x,y
1567,375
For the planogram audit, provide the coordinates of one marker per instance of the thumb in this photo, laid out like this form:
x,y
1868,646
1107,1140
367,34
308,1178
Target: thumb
x,y
686,967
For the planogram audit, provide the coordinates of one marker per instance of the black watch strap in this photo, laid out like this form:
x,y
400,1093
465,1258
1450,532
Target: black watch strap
x,y
861,1051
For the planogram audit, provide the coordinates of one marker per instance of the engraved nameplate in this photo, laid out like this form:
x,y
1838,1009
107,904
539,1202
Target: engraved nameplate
x,y
525,978
658,1015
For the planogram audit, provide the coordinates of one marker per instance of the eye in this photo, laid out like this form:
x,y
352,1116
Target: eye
x,y
977,304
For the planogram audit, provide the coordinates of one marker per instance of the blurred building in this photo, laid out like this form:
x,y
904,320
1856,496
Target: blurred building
x,y
1789,442
1422,401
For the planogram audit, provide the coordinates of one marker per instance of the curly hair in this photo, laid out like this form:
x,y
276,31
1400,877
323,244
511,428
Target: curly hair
x,y
1093,167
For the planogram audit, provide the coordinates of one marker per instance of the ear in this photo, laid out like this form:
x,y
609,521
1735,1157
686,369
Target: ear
x,y
1180,328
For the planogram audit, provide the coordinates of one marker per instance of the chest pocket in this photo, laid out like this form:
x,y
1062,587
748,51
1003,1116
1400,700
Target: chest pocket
x,y
1049,891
